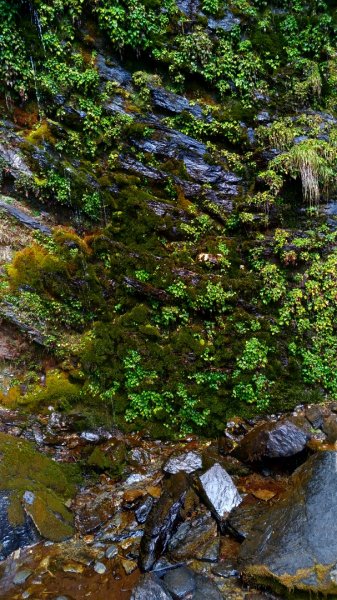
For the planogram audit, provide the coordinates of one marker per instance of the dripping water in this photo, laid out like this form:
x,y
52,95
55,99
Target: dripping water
x,y
36,87
36,21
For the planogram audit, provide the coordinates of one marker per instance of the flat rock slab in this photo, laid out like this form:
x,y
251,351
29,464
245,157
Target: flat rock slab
x,y
295,542
23,218
271,440
219,491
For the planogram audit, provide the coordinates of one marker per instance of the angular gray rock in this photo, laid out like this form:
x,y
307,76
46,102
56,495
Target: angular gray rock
x,y
174,103
162,521
180,582
187,462
196,539
150,588
295,542
143,511
271,440
219,491
21,216
206,589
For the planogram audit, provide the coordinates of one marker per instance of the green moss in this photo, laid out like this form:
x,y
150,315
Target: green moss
x,y
58,391
111,460
37,485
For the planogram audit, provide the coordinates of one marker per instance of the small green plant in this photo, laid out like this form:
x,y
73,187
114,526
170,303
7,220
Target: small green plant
x,y
251,385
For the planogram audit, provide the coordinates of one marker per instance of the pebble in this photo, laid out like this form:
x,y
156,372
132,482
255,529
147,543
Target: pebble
x,y
129,566
100,568
111,552
22,576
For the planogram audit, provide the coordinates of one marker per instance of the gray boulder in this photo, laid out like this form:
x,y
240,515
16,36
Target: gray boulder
x,y
271,440
294,543
180,582
150,588
206,589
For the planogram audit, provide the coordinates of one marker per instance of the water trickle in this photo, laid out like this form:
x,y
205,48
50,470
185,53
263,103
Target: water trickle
x,y
36,21
36,87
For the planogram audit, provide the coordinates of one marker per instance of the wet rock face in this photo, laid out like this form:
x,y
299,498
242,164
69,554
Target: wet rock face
x,y
295,542
226,23
242,519
173,103
14,159
189,7
162,521
271,440
150,588
219,491
113,72
174,144
22,217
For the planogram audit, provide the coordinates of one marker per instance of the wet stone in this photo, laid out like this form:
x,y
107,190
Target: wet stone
x,y
188,462
111,552
242,519
163,565
99,568
143,510
13,537
162,520
150,587
219,491
315,416
295,542
227,23
271,440
196,539
129,566
206,588
180,582
225,569
21,576
174,103
329,427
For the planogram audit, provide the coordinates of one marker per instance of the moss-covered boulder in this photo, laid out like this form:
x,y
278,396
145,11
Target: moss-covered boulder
x,y
37,492
293,546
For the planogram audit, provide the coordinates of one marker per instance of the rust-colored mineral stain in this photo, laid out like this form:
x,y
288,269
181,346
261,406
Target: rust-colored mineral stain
x,y
76,586
53,576
264,488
